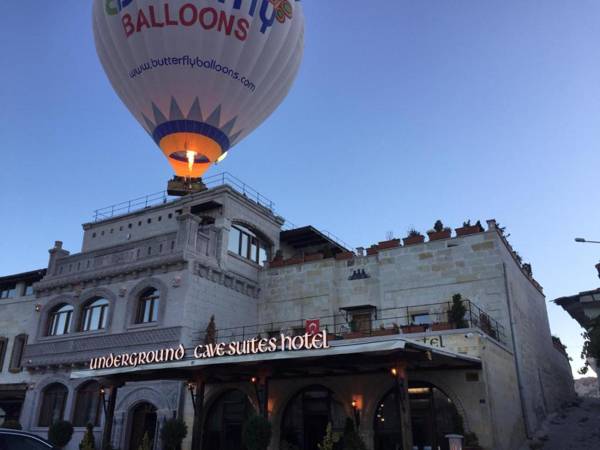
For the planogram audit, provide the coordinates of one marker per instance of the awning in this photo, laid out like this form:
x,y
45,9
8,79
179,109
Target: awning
x,y
342,357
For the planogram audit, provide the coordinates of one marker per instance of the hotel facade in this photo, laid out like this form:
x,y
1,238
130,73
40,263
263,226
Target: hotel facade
x,y
205,308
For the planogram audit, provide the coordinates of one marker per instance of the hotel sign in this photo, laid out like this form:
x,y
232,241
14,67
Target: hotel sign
x,y
254,346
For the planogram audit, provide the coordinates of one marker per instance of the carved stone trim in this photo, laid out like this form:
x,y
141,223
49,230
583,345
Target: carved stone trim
x,y
227,279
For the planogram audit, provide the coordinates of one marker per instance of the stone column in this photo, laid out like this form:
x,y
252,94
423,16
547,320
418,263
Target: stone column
x,y
402,403
198,389
109,416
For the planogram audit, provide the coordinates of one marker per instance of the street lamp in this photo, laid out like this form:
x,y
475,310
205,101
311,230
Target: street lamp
x,y
585,241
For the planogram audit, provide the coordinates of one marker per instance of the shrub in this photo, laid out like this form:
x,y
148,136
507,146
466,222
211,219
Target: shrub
x,y
12,425
457,312
257,433
60,433
351,438
329,440
88,443
172,434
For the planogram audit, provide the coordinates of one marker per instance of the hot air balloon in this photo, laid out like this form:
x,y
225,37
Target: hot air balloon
x,y
199,75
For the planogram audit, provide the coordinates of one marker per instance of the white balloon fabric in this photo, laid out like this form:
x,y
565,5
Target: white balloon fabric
x,y
199,75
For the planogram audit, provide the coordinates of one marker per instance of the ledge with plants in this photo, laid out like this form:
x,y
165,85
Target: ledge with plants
x,y
439,231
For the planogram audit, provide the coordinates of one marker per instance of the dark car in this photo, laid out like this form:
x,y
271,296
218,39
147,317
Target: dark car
x,y
19,440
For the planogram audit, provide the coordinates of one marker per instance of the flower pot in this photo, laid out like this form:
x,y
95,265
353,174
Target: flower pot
x,y
372,250
472,229
344,256
277,263
441,326
353,335
438,235
411,240
384,332
413,328
392,243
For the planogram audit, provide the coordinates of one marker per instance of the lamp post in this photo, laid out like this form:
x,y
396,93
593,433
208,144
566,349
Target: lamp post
x,y
585,241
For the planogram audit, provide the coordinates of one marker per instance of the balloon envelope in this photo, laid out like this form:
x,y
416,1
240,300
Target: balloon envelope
x,y
199,75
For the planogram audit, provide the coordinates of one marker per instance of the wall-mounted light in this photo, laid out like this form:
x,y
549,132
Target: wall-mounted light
x,y
191,387
357,403
253,380
38,307
102,393
394,372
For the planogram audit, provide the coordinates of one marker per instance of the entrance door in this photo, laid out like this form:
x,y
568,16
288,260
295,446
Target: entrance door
x,y
225,421
143,423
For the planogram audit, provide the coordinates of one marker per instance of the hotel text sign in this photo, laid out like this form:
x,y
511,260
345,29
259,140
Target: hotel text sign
x,y
252,346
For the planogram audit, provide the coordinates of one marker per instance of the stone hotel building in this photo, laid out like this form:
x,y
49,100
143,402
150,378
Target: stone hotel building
x,y
207,308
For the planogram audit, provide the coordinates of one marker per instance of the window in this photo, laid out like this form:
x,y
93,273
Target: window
x,y
28,288
54,399
421,319
87,405
95,315
60,320
8,291
17,353
248,245
148,306
3,345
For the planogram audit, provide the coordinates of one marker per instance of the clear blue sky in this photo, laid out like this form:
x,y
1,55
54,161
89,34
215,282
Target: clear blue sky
x,y
404,112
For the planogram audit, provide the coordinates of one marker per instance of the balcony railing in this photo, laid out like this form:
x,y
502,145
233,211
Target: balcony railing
x,y
432,317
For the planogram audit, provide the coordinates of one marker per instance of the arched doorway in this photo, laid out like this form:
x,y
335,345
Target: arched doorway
x,y
306,417
225,420
433,415
143,422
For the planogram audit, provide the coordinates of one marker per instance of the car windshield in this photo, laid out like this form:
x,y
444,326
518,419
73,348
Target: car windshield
x,y
21,442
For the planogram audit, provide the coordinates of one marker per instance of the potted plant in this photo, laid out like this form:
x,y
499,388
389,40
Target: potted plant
x,y
88,443
414,237
441,321
172,434
467,228
486,325
414,328
60,433
354,331
256,433
471,442
390,243
457,312
439,231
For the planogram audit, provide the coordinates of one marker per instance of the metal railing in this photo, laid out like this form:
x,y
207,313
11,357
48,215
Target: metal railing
x,y
385,321
162,197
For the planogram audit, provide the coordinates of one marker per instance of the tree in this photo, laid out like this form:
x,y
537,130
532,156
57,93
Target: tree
x,y
257,433
60,433
591,344
88,442
457,312
329,440
172,434
352,439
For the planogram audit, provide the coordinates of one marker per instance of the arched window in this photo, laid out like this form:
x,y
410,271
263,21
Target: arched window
x,y
95,315
247,244
225,420
307,415
60,320
87,405
54,399
148,303
433,416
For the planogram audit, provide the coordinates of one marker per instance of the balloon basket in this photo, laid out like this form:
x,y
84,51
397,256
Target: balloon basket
x,y
180,186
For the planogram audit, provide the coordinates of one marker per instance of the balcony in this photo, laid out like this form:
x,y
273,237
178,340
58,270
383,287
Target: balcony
x,y
367,321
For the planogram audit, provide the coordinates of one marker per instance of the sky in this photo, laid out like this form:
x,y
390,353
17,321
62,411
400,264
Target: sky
x,y
404,112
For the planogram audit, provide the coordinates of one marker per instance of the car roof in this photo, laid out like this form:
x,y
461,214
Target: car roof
x,y
22,433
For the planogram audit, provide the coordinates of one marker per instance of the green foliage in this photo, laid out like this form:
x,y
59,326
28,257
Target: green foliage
x,y
352,439
60,433
172,434
457,312
12,425
257,433
591,344
88,443
414,233
329,440
146,443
